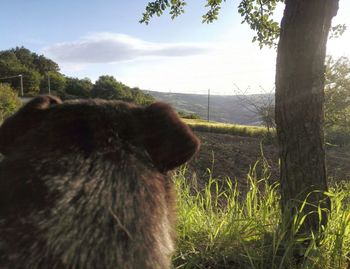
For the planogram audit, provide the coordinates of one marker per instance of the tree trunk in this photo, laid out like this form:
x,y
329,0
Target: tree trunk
x,y
300,82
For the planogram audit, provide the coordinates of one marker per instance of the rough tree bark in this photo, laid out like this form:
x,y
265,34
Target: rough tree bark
x,y
299,103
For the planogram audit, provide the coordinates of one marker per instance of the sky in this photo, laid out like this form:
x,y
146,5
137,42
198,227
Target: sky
x,y
90,38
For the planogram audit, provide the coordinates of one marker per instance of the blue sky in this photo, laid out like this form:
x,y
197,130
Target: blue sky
x,y
89,38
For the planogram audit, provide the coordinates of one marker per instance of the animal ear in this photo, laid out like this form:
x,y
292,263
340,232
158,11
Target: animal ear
x,y
27,118
168,140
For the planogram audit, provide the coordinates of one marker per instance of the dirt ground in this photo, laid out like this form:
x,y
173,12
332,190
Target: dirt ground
x,y
232,156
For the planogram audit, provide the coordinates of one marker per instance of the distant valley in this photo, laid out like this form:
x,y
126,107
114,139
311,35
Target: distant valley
x,y
222,108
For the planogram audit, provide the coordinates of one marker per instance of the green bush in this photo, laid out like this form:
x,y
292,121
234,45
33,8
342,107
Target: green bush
x,y
339,136
9,101
79,88
187,115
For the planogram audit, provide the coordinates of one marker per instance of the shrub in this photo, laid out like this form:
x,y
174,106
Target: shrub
x,y
339,136
9,101
188,115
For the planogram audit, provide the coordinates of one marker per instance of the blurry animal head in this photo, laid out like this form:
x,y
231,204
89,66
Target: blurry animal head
x,y
84,184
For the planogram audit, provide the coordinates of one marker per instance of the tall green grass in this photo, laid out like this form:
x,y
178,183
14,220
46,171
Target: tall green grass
x,y
226,228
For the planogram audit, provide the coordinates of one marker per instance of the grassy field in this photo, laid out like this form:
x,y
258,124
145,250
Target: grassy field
x,y
226,128
227,229
336,136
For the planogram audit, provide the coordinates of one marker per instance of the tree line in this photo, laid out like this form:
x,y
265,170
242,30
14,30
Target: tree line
x,y
39,73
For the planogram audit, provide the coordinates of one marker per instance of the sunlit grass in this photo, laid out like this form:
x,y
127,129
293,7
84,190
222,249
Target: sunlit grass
x,y
226,128
230,229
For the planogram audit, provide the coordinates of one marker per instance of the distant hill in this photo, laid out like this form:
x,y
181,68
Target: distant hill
x,y
223,108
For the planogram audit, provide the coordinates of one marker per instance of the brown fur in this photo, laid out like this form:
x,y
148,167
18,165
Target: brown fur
x,y
84,184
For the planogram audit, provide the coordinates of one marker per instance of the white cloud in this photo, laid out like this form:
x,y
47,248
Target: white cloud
x,y
111,48
227,65
216,65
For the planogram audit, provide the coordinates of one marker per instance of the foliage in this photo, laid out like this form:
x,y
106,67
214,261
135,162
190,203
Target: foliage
x,y
34,61
337,30
57,83
138,97
37,69
9,101
31,66
80,88
337,101
338,136
159,6
229,228
107,87
31,82
256,13
337,92
186,115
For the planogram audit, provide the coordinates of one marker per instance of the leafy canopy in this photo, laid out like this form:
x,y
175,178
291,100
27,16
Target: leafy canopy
x,y
256,13
79,87
107,87
31,66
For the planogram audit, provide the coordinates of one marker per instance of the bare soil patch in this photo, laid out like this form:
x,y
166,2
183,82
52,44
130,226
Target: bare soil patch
x,y
232,156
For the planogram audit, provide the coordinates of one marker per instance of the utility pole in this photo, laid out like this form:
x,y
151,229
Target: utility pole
x,y
22,93
48,82
16,76
208,104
